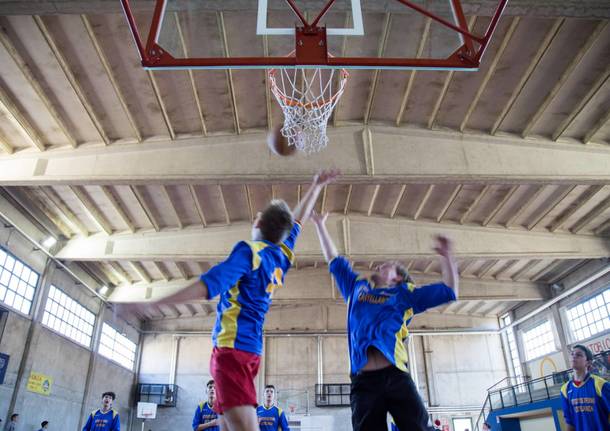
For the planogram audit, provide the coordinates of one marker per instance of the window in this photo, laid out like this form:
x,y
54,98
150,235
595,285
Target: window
x,y
538,341
590,317
117,347
512,347
66,316
17,282
462,424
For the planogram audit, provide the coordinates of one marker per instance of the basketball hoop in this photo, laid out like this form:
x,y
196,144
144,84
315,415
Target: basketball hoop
x,y
292,408
307,98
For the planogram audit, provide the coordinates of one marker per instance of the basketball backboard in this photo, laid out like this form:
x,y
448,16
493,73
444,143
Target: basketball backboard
x,y
383,34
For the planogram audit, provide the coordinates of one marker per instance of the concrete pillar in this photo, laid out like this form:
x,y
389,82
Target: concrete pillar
x,y
413,360
561,332
37,309
97,331
431,389
173,365
320,343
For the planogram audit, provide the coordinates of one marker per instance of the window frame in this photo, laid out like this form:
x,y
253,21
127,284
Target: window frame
x,y
101,346
533,327
62,310
571,333
12,274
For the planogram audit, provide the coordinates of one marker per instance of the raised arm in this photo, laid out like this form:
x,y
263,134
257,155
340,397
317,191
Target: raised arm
x,y
303,210
449,269
328,246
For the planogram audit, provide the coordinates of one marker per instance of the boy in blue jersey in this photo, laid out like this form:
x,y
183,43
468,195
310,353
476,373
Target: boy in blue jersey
x,y
378,312
106,418
585,398
270,416
205,417
245,282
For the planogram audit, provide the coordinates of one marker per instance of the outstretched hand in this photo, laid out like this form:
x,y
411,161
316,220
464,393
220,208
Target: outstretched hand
x,y
318,219
443,246
326,176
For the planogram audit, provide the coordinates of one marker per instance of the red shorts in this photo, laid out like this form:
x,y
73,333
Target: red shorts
x,y
234,372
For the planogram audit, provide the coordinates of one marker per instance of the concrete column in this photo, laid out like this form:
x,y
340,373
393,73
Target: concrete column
x,y
97,331
431,389
173,365
320,343
561,332
37,309
413,360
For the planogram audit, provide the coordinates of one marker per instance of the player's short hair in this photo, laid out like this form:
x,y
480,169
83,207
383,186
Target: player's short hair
x,y
110,394
14,415
585,350
276,221
401,270
210,383
44,424
270,387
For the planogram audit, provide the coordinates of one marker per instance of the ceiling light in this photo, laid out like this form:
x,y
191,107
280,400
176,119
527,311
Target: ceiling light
x,y
103,290
49,242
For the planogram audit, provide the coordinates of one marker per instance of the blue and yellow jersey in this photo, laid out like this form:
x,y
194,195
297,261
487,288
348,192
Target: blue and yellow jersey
x,y
99,421
587,406
245,282
271,419
393,426
203,415
379,317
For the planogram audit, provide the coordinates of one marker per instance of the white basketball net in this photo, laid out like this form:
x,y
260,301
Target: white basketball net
x,y
307,98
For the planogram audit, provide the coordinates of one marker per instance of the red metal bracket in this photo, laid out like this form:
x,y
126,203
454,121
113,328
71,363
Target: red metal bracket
x,y
311,47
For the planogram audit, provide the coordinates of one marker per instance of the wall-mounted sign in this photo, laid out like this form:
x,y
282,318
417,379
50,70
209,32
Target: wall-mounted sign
x,y
40,383
3,366
599,344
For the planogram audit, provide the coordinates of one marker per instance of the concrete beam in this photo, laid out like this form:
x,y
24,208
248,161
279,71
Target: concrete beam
x,y
540,8
380,154
315,286
358,237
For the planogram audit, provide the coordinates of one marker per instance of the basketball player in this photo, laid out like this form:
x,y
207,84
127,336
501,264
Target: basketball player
x,y
270,416
106,418
379,310
245,282
205,417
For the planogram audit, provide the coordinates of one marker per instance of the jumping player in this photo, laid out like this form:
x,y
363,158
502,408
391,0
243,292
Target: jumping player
x,y
585,398
378,312
270,416
245,282
106,418
205,417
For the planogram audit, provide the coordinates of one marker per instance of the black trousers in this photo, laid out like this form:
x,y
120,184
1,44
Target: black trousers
x,y
375,393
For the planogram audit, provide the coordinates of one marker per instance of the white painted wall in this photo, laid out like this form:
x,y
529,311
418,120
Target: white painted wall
x,y
537,424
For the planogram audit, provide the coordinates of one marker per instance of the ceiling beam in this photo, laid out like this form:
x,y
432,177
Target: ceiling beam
x,y
448,157
229,73
534,8
362,238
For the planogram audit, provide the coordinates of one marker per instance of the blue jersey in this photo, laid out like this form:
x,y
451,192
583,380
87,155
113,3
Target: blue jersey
x,y
587,406
379,317
203,415
99,421
272,419
245,282
393,426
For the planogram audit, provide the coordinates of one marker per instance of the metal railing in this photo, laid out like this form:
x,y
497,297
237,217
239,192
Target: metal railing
x,y
540,389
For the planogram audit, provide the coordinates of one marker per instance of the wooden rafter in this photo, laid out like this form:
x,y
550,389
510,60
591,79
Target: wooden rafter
x,y
576,60
157,92
64,211
423,202
501,205
67,71
198,205
229,72
550,208
492,68
172,206
591,215
347,199
110,74
399,199
597,127
145,207
474,204
140,270
454,194
27,73
91,209
18,120
159,267
373,199
223,203
387,24
411,79
533,197
114,202
576,205
542,50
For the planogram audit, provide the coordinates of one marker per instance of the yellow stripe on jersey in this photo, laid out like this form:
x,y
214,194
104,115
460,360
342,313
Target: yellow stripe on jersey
x,y
288,253
599,384
564,389
400,353
228,323
256,247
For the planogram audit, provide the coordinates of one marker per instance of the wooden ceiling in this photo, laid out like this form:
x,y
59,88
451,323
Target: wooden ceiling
x,y
71,88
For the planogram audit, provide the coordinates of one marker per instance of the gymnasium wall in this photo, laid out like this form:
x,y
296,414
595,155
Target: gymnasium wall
x,y
461,368
68,363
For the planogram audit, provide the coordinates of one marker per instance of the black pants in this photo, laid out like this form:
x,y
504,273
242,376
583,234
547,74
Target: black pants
x,y
375,393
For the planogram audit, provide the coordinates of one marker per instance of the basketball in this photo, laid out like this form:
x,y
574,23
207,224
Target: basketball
x,y
278,143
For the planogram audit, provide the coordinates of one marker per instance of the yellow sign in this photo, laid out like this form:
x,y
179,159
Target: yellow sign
x,y
39,383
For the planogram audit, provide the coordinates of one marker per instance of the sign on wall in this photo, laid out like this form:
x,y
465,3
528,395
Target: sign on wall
x,y
599,344
3,366
40,383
